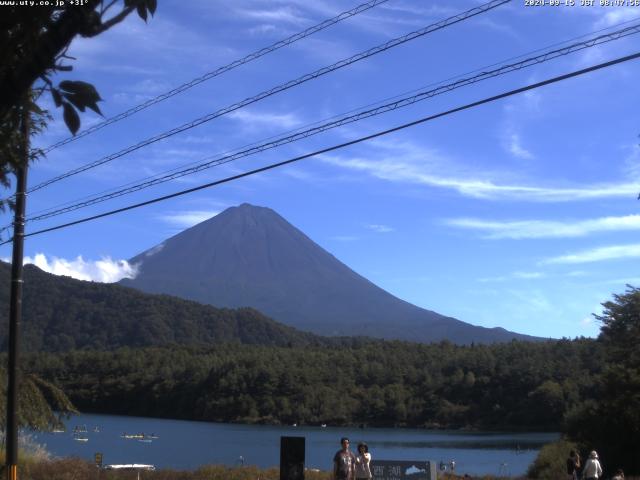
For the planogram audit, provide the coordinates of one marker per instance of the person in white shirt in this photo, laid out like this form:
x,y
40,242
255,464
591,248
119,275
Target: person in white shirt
x,y
592,469
363,461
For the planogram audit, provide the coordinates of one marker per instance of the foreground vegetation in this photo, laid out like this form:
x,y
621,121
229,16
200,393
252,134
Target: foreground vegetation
x,y
75,469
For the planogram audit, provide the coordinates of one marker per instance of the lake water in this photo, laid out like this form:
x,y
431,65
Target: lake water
x,y
187,445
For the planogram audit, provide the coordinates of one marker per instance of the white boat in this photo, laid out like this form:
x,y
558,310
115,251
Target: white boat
x,y
79,438
130,466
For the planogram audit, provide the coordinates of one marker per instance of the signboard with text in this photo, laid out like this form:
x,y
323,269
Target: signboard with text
x,y
403,470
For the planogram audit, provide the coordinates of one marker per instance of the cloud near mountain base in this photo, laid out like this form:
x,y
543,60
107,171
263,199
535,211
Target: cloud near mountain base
x,y
105,270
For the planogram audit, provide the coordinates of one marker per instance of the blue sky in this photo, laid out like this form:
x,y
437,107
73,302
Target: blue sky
x,y
521,213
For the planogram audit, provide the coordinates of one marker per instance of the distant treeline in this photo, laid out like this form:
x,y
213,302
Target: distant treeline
x,y
517,385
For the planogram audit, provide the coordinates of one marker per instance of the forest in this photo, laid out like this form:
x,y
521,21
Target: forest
x,y
518,385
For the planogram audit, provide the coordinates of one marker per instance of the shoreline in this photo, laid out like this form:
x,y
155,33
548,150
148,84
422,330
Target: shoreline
x,y
264,422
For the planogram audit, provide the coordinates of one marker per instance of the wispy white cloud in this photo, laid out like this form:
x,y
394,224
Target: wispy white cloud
x,y
344,238
613,16
188,218
282,14
263,29
528,275
503,28
587,321
105,270
600,254
545,228
418,10
262,119
152,251
621,281
398,170
512,276
535,300
514,146
380,228
577,273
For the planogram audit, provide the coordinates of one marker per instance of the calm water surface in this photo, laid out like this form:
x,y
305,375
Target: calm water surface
x,y
187,445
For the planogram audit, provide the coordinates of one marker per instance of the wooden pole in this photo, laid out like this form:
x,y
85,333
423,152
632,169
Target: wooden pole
x,y
15,305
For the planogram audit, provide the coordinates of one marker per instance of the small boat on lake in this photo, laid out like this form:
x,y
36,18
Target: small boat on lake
x,y
139,436
130,466
80,438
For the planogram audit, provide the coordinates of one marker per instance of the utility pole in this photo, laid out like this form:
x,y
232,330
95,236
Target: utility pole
x,y
15,305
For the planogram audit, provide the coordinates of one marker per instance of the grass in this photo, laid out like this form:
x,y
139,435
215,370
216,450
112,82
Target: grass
x,y
76,469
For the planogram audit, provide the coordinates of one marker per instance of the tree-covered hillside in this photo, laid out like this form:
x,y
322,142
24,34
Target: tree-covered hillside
x,y
513,385
60,313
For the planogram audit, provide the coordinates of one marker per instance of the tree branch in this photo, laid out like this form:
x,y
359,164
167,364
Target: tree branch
x,y
105,9
47,47
103,27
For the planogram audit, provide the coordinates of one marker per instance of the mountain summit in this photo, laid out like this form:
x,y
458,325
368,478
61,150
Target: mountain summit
x,y
250,256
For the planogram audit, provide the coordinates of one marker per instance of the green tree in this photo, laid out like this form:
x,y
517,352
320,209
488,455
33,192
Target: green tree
x,y
40,403
610,420
33,48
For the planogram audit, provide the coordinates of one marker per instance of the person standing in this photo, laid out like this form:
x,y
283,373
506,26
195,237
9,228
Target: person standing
x,y
363,461
344,462
592,469
573,465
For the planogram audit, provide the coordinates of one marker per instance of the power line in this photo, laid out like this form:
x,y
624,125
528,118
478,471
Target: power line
x,y
378,103
282,87
299,135
345,144
220,70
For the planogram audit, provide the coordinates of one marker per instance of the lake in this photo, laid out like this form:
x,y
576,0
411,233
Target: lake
x,y
187,445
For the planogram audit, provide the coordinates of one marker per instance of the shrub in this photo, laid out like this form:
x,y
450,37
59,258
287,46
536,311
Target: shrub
x,y
550,464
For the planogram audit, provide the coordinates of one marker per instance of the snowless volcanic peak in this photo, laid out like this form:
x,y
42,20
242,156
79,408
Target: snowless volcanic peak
x,y
249,256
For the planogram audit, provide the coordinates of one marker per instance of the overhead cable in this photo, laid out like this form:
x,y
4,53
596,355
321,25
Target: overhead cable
x,y
394,105
343,145
370,105
219,71
282,87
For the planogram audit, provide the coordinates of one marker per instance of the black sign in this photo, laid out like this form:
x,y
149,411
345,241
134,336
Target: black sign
x,y
401,470
291,458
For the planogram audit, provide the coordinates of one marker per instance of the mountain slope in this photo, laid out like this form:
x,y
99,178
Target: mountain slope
x,y
60,313
251,256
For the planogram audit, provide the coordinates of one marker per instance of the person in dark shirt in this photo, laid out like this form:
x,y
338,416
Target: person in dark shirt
x,y
344,462
573,465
